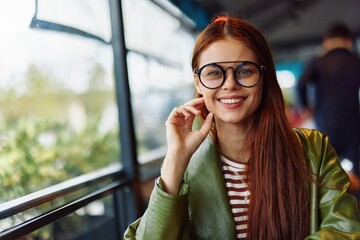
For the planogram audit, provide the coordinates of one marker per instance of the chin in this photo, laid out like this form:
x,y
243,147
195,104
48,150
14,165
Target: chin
x,y
230,119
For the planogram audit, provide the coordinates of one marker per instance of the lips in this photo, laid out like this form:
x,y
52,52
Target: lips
x,y
231,100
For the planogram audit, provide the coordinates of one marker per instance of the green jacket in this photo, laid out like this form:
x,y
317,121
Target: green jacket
x,y
202,208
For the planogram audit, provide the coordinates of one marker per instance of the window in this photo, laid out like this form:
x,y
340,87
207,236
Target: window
x,y
59,118
58,113
160,74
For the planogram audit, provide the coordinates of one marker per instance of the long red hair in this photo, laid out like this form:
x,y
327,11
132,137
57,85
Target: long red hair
x,y
278,173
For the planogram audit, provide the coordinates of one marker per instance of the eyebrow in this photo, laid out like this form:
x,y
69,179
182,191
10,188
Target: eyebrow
x,y
240,61
224,63
230,62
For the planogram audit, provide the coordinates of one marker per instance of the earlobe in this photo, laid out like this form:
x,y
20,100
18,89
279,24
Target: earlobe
x,y
197,85
198,89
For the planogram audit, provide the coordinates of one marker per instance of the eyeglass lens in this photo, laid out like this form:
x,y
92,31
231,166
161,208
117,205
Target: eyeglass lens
x,y
246,74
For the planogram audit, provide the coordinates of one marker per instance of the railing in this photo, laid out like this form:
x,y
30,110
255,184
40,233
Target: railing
x,y
51,194
111,178
18,205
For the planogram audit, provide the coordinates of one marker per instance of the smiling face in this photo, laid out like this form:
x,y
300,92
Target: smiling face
x,y
231,103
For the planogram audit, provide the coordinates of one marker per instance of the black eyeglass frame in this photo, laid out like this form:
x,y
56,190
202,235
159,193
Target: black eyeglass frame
x,y
261,69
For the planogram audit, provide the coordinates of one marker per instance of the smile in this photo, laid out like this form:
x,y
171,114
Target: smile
x,y
231,101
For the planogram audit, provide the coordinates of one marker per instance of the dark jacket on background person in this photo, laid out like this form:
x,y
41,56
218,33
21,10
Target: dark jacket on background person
x,y
202,209
336,78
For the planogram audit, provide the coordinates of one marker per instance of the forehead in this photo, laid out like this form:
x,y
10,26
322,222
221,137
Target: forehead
x,y
226,50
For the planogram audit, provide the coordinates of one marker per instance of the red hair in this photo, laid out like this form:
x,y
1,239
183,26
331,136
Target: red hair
x,y
278,173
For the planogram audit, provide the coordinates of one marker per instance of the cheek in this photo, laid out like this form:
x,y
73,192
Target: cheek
x,y
209,101
257,98
257,102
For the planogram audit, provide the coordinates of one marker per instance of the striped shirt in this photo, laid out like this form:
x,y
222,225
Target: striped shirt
x,y
237,188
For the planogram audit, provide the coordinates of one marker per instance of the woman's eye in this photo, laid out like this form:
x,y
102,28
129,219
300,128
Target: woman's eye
x,y
245,72
214,73
211,72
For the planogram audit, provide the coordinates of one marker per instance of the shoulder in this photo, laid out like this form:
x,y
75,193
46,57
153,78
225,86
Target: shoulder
x,y
308,136
343,53
317,147
312,63
205,158
312,139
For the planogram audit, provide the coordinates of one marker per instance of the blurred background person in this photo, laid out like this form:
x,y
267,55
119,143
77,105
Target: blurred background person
x,y
335,77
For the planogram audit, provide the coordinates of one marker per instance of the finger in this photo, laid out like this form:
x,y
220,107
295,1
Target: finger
x,y
195,105
189,109
196,102
180,115
206,127
186,111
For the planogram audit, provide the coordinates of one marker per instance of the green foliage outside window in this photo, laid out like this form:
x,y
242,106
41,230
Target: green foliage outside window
x,y
38,145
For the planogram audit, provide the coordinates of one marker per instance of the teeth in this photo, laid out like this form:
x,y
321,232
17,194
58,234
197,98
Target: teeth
x,y
231,101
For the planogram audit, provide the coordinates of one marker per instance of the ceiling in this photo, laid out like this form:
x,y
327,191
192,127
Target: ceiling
x,y
291,26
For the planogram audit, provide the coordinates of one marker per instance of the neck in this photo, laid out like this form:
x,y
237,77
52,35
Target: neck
x,y
337,42
232,144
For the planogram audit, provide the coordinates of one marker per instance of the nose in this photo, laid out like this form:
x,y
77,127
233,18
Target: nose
x,y
230,81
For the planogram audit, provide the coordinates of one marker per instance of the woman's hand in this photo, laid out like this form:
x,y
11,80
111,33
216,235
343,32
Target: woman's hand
x,y
180,137
182,142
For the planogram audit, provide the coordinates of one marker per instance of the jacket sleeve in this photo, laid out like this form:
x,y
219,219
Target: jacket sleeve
x,y
308,76
338,213
165,218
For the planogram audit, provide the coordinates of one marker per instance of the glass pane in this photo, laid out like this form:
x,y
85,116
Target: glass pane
x,y
58,113
159,68
92,222
90,16
62,198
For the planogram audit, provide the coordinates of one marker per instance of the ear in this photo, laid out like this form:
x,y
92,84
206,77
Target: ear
x,y
349,43
197,84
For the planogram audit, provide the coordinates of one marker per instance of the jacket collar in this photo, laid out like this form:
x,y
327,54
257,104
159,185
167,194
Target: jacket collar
x,y
208,195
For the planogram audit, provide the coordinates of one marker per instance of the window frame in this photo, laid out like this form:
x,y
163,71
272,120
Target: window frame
x,y
123,181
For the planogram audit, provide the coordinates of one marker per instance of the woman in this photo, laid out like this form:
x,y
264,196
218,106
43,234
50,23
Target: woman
x,y
255,177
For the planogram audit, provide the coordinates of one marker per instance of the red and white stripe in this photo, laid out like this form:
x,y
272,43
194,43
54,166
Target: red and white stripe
x,y
236,184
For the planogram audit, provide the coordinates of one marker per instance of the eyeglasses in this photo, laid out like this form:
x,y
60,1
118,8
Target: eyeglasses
x,y
247,74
